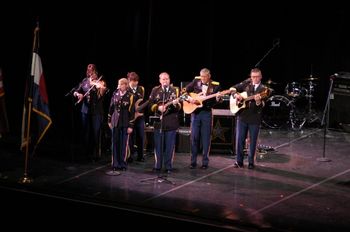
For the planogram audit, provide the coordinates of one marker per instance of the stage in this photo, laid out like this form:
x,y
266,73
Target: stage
x,y
292,188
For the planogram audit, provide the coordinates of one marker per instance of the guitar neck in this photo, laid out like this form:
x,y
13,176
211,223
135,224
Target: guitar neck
x,y
170,102
208,97
214,94
250,97
262,95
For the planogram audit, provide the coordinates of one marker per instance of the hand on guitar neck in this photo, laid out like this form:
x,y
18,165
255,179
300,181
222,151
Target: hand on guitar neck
x,y
195,100
163,107
239,101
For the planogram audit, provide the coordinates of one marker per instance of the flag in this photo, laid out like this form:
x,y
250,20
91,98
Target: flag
x,y
4,125
36,98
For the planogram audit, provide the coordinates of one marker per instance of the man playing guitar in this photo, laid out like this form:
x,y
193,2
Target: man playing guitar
x,y
249,117
201,117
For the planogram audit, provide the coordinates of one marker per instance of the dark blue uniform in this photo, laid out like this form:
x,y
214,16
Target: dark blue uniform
x,y
165,128
136,140
92,118
201,121
248,119
121,114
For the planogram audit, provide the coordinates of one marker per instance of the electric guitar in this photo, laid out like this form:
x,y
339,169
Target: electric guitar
x,y
189,107
236,105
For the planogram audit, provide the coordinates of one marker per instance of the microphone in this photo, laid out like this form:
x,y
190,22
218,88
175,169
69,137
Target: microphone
x,y
246,80
276,42
335,75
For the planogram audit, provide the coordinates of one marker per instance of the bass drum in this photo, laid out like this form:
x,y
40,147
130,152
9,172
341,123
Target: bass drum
x,y
276,112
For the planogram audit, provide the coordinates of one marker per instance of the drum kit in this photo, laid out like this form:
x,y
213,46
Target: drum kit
x,y
290,109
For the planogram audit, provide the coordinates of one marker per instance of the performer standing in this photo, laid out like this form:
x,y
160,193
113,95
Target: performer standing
x,y
120,121
249,115
90,92
164,103
201,118
136,141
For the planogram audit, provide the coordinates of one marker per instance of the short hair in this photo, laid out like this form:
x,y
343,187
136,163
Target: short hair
x,y
164,73
132,76
204,71
255,70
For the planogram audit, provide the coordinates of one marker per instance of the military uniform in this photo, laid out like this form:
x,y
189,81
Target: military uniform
x,y
165,128
137,136
121,115
201,120
248,119
92,118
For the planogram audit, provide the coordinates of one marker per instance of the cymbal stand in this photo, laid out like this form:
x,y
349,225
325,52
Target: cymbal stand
x,y
311,115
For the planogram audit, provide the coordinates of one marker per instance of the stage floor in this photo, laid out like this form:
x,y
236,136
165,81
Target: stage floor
x,y
292,187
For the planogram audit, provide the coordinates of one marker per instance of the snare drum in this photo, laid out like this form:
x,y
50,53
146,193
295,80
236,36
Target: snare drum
x,y
276,112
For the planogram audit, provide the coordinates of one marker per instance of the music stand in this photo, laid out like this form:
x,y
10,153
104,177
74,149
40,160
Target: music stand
x,y
160,178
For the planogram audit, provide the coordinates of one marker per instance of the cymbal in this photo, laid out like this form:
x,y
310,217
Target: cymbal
x,y
311,79
270,82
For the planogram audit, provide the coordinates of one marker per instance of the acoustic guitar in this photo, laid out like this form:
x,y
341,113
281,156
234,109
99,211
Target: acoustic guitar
x,y
236,105
189,107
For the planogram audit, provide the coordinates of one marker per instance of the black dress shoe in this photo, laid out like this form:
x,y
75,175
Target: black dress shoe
x,y
204,167
251,166
192,166
156,170
168,171
237,165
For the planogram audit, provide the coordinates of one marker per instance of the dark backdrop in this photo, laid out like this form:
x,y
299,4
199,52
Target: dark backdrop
x,y
179,37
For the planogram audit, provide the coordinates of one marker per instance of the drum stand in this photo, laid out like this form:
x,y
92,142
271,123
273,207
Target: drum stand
x,y
311,115
296,122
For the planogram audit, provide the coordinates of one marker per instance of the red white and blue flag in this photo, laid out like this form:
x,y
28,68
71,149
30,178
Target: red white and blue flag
x,y
39,98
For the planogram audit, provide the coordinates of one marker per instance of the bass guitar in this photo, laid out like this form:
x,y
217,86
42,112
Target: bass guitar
x,y
236,105
139,108
189,107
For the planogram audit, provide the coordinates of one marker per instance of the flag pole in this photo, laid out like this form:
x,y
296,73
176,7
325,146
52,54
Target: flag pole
x,y
26,179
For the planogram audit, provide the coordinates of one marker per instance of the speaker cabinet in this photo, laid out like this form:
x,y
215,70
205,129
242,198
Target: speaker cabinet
x,y
223,134
339,114
339,111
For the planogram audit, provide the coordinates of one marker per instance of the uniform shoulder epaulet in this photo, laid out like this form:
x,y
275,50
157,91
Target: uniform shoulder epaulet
x,y
177,90
215,83
156,87
131,100
197,77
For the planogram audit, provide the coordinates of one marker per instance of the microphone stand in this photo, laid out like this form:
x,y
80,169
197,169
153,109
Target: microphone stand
x,y
72,142
325,121
161,178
